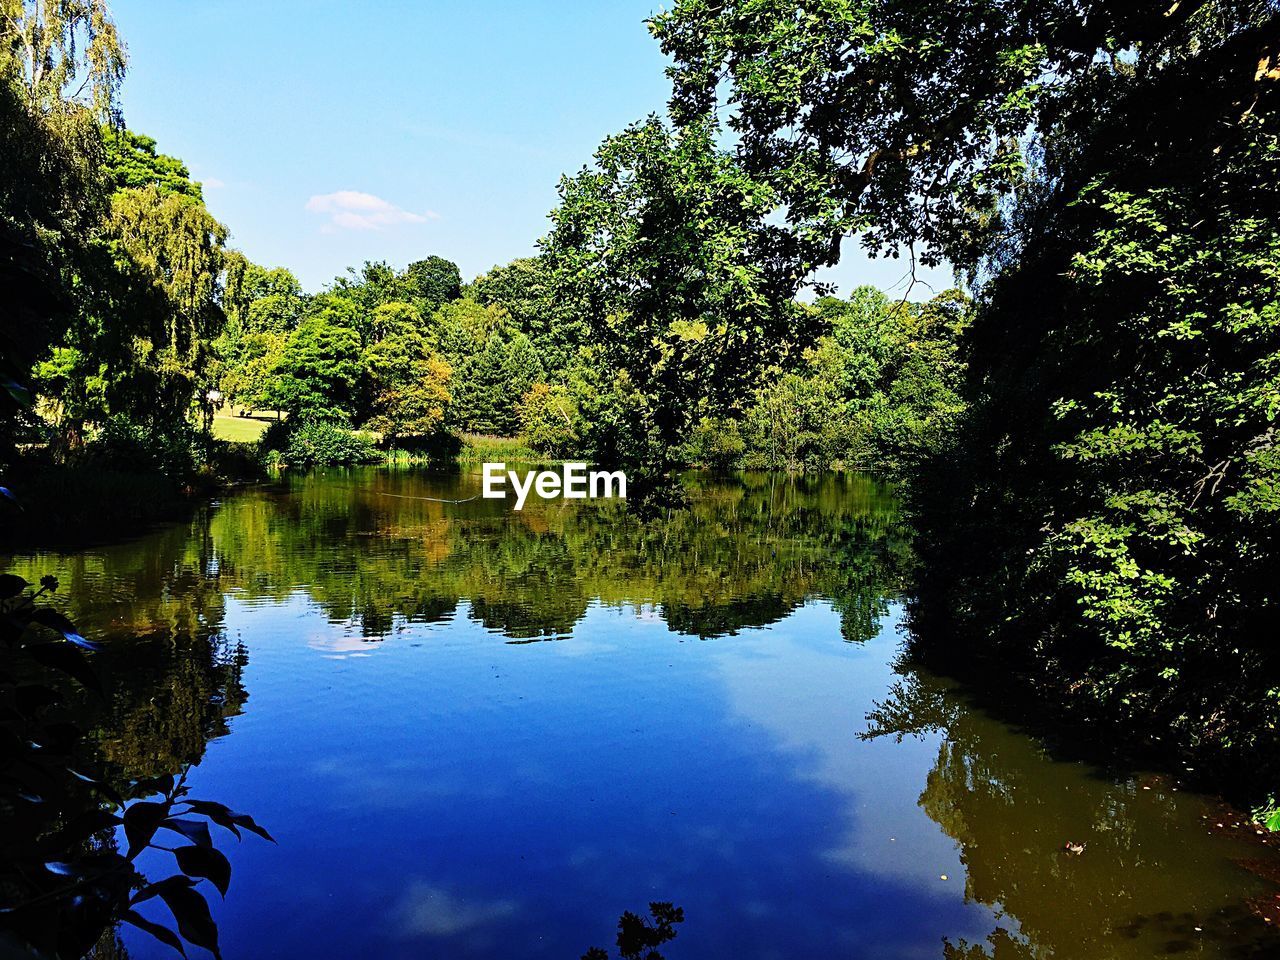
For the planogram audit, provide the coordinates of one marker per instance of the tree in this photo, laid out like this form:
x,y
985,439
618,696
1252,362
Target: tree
x,y
146,311
905,121
549,419
525,289
1104,520
320,368
431,283
410,385
666,249
132,163
63,53
248,377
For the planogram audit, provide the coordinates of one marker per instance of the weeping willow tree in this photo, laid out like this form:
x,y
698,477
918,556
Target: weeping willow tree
x,y
63,54
130,262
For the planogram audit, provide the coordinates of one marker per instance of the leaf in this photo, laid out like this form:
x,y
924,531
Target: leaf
x,y
67,659
246,821
216,812
141,821
205,862
21,395
56,621
191,910
86,825
157,888
150,786
157,930
102,787
197,831
11,585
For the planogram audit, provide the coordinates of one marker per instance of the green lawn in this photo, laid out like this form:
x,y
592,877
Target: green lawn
x,y
240,429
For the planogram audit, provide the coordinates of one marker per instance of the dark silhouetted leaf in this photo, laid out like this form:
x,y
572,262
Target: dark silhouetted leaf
x,y
149,786
205,862
159,887
192,913
11,585
246,821
197,831
86,825
157,930
217,812
68,660
101,786
141,821
21,395
56,621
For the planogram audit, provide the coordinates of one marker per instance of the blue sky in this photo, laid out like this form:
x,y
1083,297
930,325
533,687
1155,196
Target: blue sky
x,y
330,133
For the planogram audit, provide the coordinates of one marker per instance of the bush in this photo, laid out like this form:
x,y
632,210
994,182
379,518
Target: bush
x,y
717,444
127,446
549,420
320,443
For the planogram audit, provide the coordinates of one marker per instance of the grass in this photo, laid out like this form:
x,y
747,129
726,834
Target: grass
x,y
237,429
482,448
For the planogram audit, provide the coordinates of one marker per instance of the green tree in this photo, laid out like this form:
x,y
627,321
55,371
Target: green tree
x,y
409,383
665,248
63,54
320,368
132,163
431,283
549,419
525,288
1105,518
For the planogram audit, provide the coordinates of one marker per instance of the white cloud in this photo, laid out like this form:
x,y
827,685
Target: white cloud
x,y
430,910
213,183
353,210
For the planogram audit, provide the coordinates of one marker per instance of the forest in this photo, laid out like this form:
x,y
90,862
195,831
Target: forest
x,y
1083,431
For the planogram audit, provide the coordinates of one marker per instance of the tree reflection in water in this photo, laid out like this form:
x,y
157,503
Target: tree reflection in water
x,y
374,556
1077,864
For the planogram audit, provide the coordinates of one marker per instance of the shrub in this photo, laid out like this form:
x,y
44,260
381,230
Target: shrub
x,y
318,443
549,420
717,444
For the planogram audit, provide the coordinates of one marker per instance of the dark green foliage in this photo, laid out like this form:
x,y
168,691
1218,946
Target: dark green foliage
x,y
878,391
1130,461
320,443
426,284
525,290
63,878
320,367
640,937
133,163
1105,516
431,283
549,420
494,366
717,444
666,250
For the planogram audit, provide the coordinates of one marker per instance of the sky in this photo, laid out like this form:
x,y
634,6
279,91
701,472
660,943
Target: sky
x,y
329,133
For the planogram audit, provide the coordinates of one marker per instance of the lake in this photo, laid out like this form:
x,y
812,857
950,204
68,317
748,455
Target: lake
x,y
482,733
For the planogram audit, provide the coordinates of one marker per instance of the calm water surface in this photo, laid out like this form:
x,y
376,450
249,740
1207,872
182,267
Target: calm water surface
x,y
480,733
